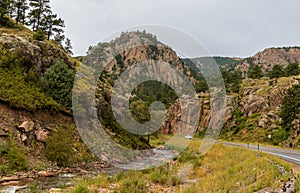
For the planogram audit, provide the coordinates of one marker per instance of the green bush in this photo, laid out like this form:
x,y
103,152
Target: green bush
x,y
59,146
39,35
201,86
160,175
7,59
15,159
81,189
19,93
137,185
58,83
292,69
256,72
276,72
279,136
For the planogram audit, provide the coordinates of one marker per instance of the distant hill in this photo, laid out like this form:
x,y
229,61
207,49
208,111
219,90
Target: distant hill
x,y
270,57
224,63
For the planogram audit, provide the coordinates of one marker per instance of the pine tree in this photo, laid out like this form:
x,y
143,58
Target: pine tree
x,y
276,72
59,38
52,24
292,69
5,8
11,8
291,106
20,8
68,46
58,83
256,72
23,10
40,8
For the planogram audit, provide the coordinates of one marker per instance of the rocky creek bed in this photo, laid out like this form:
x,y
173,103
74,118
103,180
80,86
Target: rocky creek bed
x,y
53,179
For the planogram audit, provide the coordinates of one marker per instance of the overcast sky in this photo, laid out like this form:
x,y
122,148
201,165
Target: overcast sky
x,y
226,27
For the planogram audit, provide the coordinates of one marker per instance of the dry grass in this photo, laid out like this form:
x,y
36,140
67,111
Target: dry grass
x,y
229,169
222,169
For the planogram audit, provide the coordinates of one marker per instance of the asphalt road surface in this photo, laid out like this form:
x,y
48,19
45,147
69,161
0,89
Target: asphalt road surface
x,y
288,155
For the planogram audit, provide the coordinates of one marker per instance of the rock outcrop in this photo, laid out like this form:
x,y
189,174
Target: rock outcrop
x,y
268,58
38,56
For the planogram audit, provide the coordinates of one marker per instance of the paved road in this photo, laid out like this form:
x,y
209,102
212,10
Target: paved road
x,y
288,155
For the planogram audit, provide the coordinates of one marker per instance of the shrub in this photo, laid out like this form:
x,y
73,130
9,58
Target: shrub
x,y
7,59
58,83
279,136
81,189
14,157
39,35
292,69
201,86
276,72
15,90
255,72
59,146
136,185
160,175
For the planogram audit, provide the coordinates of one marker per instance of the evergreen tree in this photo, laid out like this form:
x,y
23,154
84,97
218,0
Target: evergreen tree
x,y
201,86
276,72
11,7
291,107
58,83
256,72
5,8
59,38
40,8
292,69
20,8
232,80
52,24
68,46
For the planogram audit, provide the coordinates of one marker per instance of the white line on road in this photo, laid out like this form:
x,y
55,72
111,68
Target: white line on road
x,y
283,156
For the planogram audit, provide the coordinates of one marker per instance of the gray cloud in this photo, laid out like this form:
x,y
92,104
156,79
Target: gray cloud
x,y
225,27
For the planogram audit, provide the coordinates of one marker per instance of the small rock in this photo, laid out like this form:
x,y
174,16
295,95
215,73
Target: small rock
x,y
3,134
104,158
55,190
7,179
27,126
82,171
46,174
41,135
161,147
11,183
23,138
101,190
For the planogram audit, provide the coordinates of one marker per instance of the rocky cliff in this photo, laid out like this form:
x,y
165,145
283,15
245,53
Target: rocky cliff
x,y
252,115
23,62
268,58
37,55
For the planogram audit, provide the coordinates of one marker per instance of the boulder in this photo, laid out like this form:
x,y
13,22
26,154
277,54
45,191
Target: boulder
x,y
263,123
27,126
